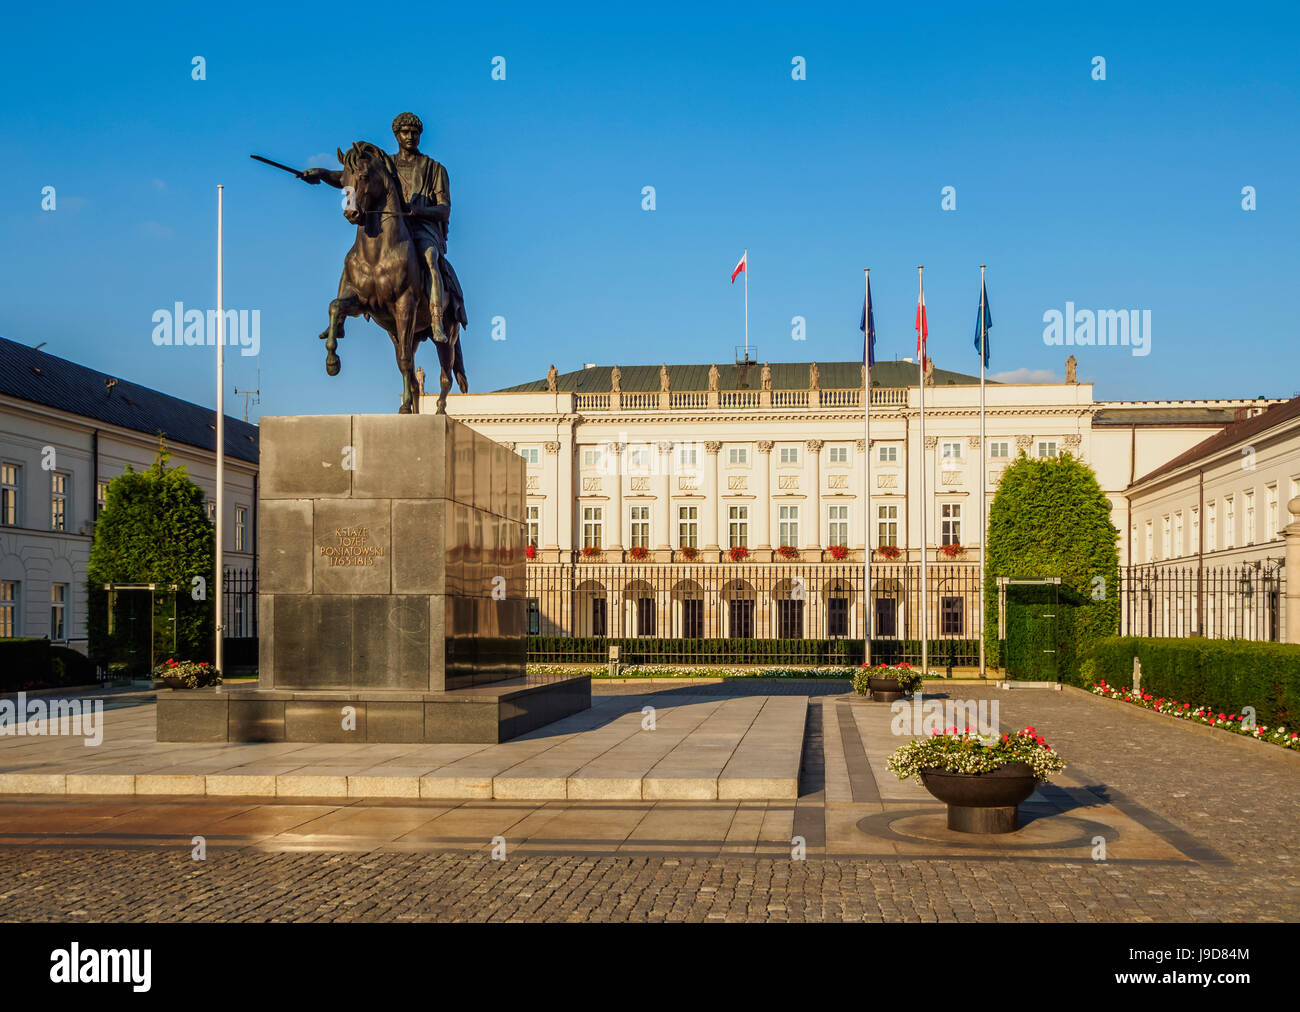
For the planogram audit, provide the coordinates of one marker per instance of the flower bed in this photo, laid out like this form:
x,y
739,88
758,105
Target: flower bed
x,y
692,671
1200,715
966,752
186,674
909,678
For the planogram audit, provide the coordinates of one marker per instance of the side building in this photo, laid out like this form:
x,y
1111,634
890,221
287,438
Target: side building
x,y
65,432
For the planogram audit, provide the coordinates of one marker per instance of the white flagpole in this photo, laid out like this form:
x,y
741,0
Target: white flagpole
x,y
219,590
984,522
867,617
925,623
746,259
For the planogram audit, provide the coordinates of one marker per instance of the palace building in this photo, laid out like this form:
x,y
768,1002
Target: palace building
x,y
637,469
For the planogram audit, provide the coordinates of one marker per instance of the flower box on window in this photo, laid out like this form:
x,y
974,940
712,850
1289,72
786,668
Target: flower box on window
x,y
951,551
738,553
590,551
788,552
530,552
839,552
690,554
638,552
889,552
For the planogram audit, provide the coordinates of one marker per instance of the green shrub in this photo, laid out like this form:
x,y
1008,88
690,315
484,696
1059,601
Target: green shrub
x,y
739,650
1222,674
1050,518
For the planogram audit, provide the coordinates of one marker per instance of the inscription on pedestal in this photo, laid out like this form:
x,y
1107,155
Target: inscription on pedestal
x,y
350,546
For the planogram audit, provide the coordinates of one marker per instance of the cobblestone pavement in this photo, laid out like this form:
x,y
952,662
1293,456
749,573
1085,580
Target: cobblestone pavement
x,y
1227,812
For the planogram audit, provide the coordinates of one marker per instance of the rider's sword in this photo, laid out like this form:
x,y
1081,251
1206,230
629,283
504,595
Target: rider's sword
x,y
277,165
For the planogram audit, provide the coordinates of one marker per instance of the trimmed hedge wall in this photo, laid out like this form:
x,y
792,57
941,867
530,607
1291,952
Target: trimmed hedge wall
x,y
38,664
648,650
1223,674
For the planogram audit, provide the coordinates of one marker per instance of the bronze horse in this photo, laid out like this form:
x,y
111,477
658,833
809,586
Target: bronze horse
x,y
383,277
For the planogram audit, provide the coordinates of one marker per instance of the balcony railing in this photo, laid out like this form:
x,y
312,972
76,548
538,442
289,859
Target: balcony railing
x,y
737,400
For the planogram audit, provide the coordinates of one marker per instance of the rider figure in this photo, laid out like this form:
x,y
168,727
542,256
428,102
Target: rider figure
x,y
427,194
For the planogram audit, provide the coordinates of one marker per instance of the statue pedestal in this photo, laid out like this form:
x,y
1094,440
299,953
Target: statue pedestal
x,y
391,601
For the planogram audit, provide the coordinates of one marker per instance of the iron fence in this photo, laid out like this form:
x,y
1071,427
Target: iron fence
x,y
239,603
749,612
1222,602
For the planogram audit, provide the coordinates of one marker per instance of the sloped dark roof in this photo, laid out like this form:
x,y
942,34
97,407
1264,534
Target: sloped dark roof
x,y
31,375
1182,415
785,376
1229,436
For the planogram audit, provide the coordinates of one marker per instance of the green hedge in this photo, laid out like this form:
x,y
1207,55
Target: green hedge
x,y
37,664
833,652
1223,674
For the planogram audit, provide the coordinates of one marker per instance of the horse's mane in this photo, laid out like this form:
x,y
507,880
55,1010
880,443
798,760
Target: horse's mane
x,y
364,149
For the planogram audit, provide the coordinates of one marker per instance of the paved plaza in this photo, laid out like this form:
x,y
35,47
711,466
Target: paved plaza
x,y
1194,827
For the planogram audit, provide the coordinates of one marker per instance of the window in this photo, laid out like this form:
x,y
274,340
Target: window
x,y
58,501
593,457
212,512
738,526
999,450
837,525
645,616
693,618
789,455
534,519
533,616
788,526
687,457
640,526
951,450
638,458
789,619
740,618
950,523
837,616
1166,547
889,455
688,526
530,454
58,611
599,618
1195,546
738,455
1271,518
101,496
592,527
950,616
886,526
1178,533
838,454
241,528
1047,447
1211,528
1229,522
886,617
1249,533
8,608
9,494
1150,543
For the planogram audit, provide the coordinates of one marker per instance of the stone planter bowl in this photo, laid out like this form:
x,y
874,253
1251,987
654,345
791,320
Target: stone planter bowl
x,y
884,690
982,802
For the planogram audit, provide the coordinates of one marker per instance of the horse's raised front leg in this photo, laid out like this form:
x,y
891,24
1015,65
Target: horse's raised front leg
x,y
347,304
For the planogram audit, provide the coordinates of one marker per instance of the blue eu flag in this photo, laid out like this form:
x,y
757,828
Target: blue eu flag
x,y
868,328
983,324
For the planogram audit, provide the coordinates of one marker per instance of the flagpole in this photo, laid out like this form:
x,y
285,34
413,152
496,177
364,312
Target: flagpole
x,y
866,469
218,593
984,523
922,328
746,259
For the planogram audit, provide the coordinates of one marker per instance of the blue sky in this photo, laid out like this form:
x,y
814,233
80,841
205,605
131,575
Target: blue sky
x,y
1115,194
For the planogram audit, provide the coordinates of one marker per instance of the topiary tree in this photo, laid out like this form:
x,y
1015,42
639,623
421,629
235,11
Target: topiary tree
x,y
154,529
1050,518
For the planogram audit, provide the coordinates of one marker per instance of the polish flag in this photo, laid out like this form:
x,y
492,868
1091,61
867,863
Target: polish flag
x,y
922,330
740,267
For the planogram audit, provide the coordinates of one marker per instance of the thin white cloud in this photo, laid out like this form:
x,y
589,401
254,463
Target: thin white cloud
x,y
324,160
1026,376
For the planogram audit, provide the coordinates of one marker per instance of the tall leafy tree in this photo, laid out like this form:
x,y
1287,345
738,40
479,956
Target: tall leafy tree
x,y
1050,518
155,529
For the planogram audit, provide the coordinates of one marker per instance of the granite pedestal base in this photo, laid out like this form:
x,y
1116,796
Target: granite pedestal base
x,y
482,714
